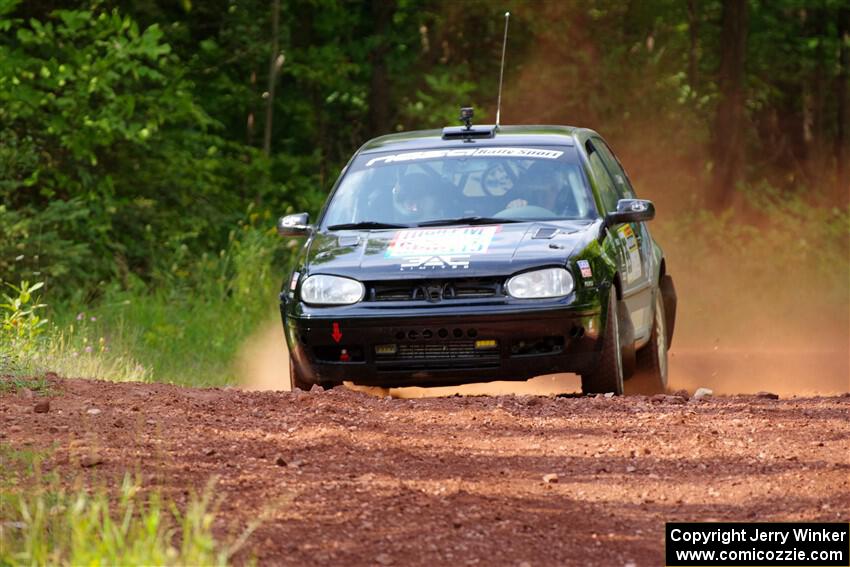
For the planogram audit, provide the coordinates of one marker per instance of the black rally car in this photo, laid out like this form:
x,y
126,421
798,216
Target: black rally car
x,y
479,253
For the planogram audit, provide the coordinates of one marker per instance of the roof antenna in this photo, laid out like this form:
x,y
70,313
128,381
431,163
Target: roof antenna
x,y
502,70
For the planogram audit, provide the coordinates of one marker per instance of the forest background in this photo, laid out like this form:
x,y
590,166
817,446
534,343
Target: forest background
x,y
147,147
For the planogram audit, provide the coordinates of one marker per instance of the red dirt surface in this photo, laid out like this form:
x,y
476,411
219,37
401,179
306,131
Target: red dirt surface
x,y
344,478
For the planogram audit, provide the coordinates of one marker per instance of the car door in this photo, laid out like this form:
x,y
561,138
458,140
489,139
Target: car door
x,y
633,242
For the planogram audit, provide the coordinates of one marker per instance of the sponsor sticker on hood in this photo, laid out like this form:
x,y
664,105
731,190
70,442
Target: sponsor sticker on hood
x,y
441,241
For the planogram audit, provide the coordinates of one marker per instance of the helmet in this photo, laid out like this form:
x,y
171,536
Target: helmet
x,y
541,186
414,196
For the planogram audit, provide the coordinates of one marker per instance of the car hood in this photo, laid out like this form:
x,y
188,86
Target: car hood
x,y
456,251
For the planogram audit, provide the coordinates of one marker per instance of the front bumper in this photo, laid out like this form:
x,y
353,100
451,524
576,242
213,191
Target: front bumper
x,y
440,349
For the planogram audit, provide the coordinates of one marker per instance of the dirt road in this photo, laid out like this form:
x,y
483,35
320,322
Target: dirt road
x,y
343,478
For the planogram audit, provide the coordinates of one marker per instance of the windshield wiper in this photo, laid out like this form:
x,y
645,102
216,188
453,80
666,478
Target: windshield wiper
x,y
366,225
468,220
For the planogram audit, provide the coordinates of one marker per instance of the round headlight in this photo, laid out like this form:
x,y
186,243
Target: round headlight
x,y
331,290
539,284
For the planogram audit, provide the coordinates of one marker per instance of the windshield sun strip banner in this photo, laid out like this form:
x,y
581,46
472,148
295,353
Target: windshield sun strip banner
x,y
535,153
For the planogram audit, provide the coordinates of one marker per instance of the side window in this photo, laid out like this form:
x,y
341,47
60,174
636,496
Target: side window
x,y
607,192
621,180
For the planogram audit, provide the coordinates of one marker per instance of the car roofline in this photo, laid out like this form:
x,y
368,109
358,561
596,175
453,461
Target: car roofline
x,y
533,134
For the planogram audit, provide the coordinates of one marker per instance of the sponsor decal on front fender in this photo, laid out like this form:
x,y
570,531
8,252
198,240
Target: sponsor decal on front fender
x,y
633,263
586,273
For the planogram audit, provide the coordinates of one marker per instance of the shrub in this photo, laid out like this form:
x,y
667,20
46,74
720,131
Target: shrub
x,y
21,326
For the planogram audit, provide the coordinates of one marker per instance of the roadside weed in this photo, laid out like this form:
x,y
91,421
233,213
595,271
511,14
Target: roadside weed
x,y
49,525
21,325
38,385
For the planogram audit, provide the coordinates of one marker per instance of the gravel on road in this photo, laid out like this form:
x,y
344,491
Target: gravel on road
x,y
345,478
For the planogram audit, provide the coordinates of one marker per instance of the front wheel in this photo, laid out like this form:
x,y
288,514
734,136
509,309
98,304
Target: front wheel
x,y
607,375
652,358
296,380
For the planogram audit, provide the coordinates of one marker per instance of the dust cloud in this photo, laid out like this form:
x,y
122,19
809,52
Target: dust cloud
x,y
263,361
740,340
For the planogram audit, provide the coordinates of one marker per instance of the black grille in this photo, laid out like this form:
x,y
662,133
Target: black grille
x,y
435,290
438,365
437,351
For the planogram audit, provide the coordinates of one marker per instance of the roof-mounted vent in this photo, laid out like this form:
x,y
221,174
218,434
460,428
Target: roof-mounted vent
x,y
463,132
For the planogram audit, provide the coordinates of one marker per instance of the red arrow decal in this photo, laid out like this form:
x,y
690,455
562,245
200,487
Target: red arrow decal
x,y
336,334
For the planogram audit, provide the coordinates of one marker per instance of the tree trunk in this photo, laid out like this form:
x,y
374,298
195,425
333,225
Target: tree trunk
x,y
275,63
693,30
842,182
816,101
790,157
817,162
379,85
728,135
250,121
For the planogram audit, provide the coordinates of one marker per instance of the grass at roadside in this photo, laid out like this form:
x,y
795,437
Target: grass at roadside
x,y
186,329
191,341
38,385
42,522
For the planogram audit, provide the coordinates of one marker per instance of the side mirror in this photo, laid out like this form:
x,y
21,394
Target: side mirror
x,y
631,210
294,225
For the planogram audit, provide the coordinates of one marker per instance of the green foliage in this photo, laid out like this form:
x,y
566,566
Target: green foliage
x,y
128,137
188,330
104,148
435,106
29,345
21,325
47,243
53,526
15,384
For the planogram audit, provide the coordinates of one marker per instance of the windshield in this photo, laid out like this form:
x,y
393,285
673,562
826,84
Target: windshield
x,y
461,185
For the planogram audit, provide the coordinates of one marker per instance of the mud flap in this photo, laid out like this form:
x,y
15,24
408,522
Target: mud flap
x,y
627,340
668,293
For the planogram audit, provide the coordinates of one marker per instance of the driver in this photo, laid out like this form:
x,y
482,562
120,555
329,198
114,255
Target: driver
x,y
540,187
415,197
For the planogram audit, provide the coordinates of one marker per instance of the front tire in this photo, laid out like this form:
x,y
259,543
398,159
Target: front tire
x,y
668,296
296,379
607,375
652,358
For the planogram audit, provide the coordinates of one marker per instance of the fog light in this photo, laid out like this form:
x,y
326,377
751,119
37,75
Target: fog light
x,y
386,349
485,344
